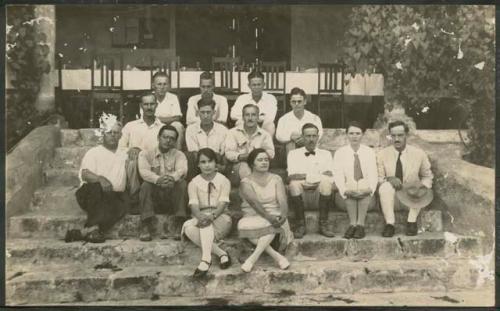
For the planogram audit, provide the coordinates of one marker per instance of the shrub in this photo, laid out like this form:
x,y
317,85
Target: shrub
x,y
430,52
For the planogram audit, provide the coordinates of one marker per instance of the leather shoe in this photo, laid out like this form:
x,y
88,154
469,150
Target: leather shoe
x,y
388,231
359,232
411,228
146,232
95,237
350,232
201,273
299,230
324,230
226,264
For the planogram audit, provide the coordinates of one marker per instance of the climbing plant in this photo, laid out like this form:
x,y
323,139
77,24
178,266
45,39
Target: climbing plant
x,y
26,57
427,53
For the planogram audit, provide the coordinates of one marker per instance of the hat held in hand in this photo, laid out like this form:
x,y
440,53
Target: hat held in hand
x,y
415,194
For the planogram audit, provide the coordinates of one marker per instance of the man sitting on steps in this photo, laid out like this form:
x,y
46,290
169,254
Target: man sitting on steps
x,y
103,179
310,168
404,174
163,170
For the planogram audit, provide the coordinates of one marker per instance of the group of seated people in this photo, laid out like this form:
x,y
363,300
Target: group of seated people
x,y
144,163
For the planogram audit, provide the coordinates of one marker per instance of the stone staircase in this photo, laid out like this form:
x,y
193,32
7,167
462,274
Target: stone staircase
x,y
42,269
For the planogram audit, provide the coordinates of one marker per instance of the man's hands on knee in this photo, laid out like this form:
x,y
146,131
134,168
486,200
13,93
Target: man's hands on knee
x,y
165,182
133,153
105,184
395,182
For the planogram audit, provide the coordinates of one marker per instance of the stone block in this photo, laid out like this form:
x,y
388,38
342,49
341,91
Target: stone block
x,y
89,137
69,157
61,177
70,138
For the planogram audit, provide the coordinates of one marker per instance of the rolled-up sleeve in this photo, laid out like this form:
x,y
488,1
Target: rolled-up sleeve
x,y
193,194
181,166
145,168
231,147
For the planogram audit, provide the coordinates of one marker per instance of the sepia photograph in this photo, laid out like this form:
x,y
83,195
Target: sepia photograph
x,y
250,154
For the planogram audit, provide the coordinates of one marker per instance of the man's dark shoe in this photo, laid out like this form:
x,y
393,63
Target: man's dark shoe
x,y
325,230
411,228
95,236
388,231
146,234
359,232
73,235
300,230
349,233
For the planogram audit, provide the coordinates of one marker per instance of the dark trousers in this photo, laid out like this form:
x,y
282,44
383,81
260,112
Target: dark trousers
x,y
103,209
154,199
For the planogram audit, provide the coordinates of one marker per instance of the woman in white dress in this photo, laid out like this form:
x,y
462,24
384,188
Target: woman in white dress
x,y
208,198
265,211
355,174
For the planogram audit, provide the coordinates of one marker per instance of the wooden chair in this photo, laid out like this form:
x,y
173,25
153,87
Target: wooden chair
x,y
275,82
331,88
167,65
224,68
106,91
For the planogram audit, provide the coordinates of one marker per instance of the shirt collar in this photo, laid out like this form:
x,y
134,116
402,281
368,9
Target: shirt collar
x,y
402,152
157,122
241,128
199,130
205,182
158,153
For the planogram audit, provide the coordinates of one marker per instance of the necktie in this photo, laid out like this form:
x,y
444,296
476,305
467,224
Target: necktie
x,y
399,168
210,187
309,153
358,174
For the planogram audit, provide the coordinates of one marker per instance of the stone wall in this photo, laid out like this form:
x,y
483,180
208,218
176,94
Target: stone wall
x,y
24,167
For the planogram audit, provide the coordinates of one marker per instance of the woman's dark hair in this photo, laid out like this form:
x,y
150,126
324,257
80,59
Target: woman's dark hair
x,y
209,153
253,154
355,124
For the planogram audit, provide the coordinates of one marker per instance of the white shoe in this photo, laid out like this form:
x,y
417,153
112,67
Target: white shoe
x,y
247,266
283,263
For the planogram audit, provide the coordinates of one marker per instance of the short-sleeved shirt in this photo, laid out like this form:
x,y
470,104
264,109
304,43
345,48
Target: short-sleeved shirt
x,y
198,191
221,109
268,106
299,163
104,162
197,138
137,134
289,123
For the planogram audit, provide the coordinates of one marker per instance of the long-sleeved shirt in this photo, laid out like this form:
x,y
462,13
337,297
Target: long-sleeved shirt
x,y
415,163
221,109
343,167
239,142
299,163
268,106
137,134
153,164
197,138
289,124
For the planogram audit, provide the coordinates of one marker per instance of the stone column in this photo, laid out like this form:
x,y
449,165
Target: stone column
x,y
46,15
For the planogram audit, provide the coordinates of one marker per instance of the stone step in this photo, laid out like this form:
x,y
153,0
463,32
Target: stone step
x,y
484,297
80,137
68,157
61,177
53,223
79,283
130,252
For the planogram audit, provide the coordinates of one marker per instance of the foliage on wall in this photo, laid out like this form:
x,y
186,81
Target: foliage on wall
x,y
26,57
430,52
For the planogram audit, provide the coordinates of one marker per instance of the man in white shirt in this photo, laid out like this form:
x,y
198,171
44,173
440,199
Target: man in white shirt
x,y
168,110
244,138
205,134
310,168
164,170
398,166
140,135
268,106
207,90
289,131
103,181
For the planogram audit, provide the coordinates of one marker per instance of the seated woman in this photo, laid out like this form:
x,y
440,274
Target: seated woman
x,y
208,199
355,175
265,211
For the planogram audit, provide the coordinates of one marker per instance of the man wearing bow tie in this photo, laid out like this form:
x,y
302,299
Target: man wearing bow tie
x,y
310,168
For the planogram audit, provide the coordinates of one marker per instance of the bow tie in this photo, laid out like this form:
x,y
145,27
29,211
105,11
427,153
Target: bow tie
x,y
309,153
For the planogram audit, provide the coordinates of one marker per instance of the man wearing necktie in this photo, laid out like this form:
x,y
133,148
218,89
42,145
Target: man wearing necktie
x,y
398,165
310,168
